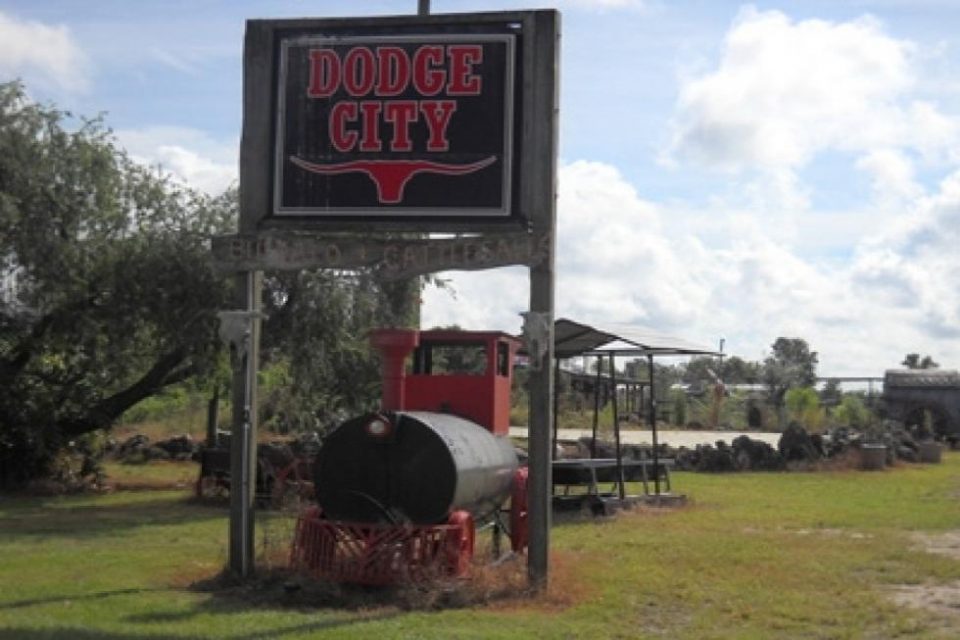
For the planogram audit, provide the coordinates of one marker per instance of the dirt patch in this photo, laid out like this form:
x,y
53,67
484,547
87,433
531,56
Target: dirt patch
x,y
567,586
945,544
940,599
834,533
502,586
826,532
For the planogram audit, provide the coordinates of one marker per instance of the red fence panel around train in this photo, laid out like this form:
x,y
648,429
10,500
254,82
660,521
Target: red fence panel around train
x,y
381,554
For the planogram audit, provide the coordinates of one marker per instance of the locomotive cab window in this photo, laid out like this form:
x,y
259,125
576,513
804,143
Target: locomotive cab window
x,y
503,359
437,359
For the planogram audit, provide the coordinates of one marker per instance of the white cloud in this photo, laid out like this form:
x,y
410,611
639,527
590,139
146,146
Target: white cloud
x,y
613,264
892,177
618,261
784,91
484,300
174,61
770,252
914,264
189,155
766,254
614,261
43,55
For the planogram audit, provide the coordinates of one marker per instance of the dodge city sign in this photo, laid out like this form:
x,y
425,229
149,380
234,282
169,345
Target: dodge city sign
x,y
414,122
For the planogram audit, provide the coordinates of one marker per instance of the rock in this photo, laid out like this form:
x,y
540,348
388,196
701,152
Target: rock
x,y
178,445
604,449
755,455
132,444
682,459
714,460
796,445
155,453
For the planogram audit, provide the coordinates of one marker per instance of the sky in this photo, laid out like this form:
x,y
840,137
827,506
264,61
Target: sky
x,y
727,170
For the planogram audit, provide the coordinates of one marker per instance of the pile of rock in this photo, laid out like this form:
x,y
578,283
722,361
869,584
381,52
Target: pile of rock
x,y
743,454
796,449
138,448
900,443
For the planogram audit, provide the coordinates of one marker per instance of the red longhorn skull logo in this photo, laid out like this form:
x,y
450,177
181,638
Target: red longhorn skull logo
x,y
392,176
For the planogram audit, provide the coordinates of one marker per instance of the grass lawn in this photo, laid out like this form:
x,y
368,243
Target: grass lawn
x,y
159,474
799,555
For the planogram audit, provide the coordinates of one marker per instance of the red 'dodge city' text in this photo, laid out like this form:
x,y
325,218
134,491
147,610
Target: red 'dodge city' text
x,y
378,125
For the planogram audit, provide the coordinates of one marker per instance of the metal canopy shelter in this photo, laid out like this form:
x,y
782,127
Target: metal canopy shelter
x,y
577,339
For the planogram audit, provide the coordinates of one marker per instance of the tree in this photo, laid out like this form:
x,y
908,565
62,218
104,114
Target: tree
x,y
790,364
803,403
317,325
914,361
852,412
736,370
831,393
702,369
107,294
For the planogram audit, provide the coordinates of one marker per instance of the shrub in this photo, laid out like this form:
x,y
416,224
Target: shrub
x,y
803,405
678,398
852,412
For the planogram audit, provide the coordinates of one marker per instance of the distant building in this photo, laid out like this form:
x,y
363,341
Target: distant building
x,y
914,395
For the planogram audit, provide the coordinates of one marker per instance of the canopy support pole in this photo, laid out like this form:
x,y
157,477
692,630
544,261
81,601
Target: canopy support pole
x,y
653,427
556,403
596,406
616,422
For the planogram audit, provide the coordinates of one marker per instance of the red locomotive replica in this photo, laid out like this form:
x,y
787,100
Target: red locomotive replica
x,y
402,492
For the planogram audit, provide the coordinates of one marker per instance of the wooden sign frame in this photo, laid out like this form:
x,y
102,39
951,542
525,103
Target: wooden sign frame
x,y
271,162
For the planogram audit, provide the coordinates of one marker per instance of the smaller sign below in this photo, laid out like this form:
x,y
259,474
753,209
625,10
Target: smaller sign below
x,y
389,258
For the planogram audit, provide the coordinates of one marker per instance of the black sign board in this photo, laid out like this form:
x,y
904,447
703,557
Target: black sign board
x,y
413,122
421,124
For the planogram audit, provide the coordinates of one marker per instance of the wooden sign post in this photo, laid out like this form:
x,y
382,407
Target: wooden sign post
x,y
355,130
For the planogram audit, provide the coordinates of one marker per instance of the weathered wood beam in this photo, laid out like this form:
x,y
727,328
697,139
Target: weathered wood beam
x,y
391,259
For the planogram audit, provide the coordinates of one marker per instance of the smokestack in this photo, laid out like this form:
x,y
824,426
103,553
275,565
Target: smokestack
x,y
394,345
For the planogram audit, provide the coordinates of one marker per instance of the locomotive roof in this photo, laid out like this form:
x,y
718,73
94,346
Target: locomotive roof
x,y
459,335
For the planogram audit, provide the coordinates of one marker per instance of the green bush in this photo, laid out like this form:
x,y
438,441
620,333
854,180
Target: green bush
x,y
803,405
678,399
852,412
167,402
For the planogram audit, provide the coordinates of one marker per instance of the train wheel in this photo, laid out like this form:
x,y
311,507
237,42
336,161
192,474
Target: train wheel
x,y
518,511
460,542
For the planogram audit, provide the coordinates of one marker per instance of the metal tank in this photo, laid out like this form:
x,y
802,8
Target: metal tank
x,y
412,466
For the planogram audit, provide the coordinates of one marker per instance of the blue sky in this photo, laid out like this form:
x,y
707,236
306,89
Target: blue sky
x,y
732,170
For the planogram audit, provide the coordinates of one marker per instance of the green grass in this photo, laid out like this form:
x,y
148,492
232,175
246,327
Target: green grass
x,y
798,555
191,420
160,474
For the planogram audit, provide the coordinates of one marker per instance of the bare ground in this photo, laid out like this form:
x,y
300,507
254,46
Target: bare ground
x,y
940,599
